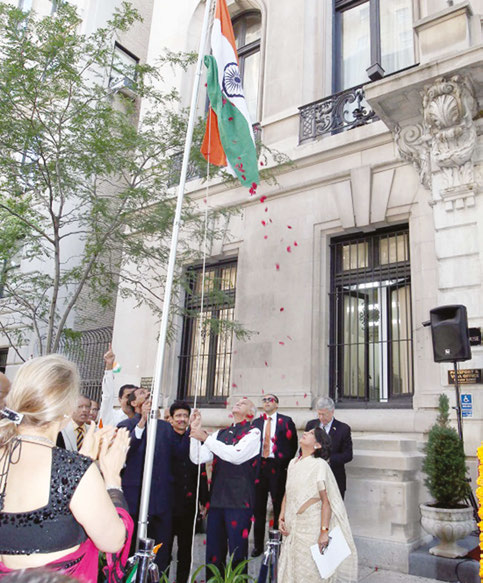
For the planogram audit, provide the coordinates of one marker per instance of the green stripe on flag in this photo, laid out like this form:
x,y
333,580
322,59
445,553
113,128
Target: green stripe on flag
x,y
234,131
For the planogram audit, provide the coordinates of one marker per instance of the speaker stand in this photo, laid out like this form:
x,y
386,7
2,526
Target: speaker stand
x,y
459,418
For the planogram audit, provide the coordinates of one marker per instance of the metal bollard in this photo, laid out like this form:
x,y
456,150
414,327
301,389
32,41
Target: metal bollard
x,y
147,571
269,567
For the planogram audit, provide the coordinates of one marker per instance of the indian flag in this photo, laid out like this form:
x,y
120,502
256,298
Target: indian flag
x,y
229,139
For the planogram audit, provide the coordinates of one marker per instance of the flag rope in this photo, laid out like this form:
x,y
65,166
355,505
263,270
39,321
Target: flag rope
x,y
198,352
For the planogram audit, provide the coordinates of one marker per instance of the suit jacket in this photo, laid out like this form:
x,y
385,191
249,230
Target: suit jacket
x,y
67,438
341,449
185,475
161,498
285,440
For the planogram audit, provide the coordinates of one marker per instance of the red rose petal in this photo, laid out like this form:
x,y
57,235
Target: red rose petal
x,y
281,343
266,363
289,227
265,236
263,198
234,385
289,249
277,266
289,434
245,533
234,523
295,244
230,119
282,309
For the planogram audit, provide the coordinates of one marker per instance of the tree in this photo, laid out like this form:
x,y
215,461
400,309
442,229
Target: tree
x,y
445,463
84,185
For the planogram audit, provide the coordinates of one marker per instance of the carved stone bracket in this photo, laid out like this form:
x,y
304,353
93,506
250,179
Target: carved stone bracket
x,y
442,147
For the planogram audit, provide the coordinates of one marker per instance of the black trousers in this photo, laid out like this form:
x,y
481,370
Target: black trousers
x,y
159,529
183,530
227,531
271,479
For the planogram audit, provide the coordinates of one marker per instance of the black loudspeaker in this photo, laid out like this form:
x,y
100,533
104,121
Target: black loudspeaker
x,y
449,330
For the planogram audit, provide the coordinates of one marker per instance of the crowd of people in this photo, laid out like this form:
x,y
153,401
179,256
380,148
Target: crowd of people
x,y
71,475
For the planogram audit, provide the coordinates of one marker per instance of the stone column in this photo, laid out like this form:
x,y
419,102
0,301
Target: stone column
x,y
444,149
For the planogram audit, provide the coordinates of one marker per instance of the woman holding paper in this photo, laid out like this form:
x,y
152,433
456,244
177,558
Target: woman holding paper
x,y
312,508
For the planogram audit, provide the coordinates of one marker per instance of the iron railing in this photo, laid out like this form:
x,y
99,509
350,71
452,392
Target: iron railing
x,y
87,351
342,111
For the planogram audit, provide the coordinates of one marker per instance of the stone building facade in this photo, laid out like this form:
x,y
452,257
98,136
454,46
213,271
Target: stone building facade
x,y
334,269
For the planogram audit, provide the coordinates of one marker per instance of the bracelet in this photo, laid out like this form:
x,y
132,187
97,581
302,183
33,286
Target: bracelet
x,y
324,528
109,487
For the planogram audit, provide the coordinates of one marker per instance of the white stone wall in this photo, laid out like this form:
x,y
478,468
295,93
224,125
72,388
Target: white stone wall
x,y
358,180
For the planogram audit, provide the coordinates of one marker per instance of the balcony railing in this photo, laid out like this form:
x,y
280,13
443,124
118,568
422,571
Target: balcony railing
x,y
337,113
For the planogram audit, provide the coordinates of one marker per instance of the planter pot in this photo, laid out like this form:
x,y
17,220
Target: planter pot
x,y
449,525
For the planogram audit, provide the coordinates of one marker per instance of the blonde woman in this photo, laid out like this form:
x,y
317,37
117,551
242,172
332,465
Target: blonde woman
x,y
56,508
312,506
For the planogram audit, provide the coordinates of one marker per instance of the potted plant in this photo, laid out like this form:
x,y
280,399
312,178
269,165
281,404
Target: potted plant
x,y
449,517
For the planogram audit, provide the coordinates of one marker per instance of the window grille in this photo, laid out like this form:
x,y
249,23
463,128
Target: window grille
x,y
216,338
371,347
3,359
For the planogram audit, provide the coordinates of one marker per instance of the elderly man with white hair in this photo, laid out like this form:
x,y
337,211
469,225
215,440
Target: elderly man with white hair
x,y
340,437
235,454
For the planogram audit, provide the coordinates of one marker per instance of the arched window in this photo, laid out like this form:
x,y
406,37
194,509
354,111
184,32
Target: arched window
x,y
247,28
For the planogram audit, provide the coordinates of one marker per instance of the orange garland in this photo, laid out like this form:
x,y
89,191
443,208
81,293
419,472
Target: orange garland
x,y
479,495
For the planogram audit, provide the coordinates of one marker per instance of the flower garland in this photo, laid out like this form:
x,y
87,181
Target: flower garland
x,y
479,494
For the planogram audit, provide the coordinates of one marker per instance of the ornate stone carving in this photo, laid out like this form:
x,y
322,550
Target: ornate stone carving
x,y
442,146
413,146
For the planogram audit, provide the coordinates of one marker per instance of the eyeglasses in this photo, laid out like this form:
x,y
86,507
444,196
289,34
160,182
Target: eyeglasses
x,y
268,400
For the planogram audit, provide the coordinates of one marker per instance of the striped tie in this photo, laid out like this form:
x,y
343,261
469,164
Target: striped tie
x,y
80,436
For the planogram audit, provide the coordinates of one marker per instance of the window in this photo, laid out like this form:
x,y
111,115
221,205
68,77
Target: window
x,y
370,328
3,359
25,5
247,29
123,68
372,39
206,353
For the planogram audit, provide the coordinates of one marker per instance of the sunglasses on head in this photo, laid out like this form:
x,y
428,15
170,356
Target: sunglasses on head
x,y
268,400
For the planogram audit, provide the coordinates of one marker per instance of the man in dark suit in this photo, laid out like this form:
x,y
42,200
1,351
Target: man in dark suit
x,y
278,445
185,474
161,498
340,437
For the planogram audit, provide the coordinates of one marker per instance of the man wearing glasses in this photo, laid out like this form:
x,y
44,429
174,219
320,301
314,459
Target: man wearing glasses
x,y
278,446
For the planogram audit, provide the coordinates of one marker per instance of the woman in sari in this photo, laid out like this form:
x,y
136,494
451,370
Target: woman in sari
x,y
312,507
57,510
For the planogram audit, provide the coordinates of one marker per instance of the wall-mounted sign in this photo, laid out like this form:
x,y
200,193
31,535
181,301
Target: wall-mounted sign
x,y
466,376
475,336
466,405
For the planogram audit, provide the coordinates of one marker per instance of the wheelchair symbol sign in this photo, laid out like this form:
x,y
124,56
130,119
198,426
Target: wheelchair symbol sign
x,y
467,405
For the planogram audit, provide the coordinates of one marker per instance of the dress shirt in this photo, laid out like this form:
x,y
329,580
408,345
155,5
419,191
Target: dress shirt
x,y
237,454
273,428
108,413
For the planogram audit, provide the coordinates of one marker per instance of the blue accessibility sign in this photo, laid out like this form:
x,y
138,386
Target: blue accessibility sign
x,y
467,405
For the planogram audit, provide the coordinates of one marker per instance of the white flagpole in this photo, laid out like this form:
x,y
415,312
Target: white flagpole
x,y
158,373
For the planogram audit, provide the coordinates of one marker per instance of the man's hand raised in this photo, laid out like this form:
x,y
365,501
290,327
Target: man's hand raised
x,y
109,358
145,409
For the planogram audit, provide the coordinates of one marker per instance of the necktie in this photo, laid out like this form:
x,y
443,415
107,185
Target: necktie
x,y
80,436
267,438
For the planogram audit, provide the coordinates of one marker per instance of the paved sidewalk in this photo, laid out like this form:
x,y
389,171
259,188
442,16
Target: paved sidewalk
x,y
366,574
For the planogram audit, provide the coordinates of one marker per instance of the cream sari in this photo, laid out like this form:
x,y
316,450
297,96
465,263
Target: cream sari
x,y
305,478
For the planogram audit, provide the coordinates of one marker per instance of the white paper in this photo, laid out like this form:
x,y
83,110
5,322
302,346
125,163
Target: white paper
x,y
334,554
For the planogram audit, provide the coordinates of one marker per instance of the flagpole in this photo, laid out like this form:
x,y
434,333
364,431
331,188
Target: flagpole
x,y
158,373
